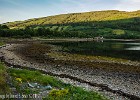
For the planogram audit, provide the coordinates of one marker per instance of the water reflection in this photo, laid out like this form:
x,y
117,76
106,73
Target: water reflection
x,y
118,49
133,48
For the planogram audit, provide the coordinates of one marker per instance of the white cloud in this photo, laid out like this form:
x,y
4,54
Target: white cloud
x,y
128,5
0,20
137,1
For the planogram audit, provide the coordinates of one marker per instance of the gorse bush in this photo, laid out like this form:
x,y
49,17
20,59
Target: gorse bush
x,y
58,93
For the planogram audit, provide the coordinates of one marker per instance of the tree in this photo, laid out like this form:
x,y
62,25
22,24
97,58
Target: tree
x,y
4,27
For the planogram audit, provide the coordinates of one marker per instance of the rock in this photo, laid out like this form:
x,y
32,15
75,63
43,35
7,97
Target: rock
x,y
48,87
32,85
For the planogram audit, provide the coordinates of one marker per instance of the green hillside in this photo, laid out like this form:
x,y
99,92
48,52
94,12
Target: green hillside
x,y
77,17
110,24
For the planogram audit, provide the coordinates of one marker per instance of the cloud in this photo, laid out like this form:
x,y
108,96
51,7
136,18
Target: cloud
x,y
4,19
0,20
128,5
137,1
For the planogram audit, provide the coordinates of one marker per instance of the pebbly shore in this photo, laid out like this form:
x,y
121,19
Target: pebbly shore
x,y
128,83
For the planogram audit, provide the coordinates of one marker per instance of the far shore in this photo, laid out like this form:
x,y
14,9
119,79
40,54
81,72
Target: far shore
x,y
66,39
83,39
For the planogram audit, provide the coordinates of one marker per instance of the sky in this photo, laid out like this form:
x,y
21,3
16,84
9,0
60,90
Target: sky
x,y
17,10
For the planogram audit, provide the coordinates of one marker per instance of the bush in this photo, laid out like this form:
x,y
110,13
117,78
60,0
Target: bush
x,y
58,93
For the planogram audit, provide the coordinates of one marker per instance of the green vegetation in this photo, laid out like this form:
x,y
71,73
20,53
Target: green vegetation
x,y
1,43
60,91
58,94
74,93
81,25
108,64
35,76
68,92
76,18
3,86
118,32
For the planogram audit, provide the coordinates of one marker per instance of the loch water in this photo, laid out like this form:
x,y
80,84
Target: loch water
x,y
119,49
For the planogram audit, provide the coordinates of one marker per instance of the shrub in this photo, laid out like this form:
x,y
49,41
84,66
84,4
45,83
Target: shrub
x,y
58,93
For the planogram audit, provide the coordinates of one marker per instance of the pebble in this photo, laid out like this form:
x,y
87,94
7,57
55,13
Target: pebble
x,y
116,81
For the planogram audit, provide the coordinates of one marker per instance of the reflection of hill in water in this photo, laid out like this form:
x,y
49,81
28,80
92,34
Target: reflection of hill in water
x,y
134,48
126,50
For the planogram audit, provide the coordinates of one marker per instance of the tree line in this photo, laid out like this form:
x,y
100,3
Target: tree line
x,y
119,29
39,32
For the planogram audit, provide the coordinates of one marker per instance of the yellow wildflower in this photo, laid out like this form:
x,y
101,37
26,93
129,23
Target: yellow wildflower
x,y
19,80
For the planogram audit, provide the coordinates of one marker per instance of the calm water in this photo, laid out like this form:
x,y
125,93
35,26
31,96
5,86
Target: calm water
x,y
127,50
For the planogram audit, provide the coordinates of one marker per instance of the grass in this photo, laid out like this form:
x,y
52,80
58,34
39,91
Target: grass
x,y
78,57
3,86
34,76
1,43
74,93
97,62
68,92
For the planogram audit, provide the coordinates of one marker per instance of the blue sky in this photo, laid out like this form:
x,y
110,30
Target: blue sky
x,y
15,10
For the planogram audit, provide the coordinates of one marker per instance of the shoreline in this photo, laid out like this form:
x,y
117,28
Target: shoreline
x,y
86,75
69,39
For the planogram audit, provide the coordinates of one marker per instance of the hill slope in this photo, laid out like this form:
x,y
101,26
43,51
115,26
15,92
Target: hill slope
x,y
77,17
110,24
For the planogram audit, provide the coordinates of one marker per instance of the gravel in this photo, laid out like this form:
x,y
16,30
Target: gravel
x,y
126,82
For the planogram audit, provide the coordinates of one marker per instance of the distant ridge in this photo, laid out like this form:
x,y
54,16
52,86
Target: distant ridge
x,y
76,18
108,24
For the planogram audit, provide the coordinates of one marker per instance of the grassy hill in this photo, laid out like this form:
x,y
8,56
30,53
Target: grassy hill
x,y
110,24
76,18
